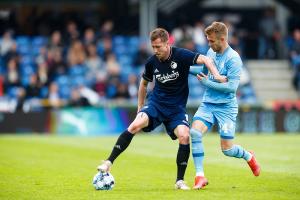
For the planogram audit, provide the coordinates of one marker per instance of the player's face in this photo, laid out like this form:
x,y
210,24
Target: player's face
x,y
160,49
214,42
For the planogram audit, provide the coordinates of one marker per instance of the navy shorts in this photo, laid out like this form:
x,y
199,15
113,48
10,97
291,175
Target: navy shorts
x,y
170,117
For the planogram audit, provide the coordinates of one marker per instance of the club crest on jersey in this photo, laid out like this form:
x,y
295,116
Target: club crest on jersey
x,y
173,65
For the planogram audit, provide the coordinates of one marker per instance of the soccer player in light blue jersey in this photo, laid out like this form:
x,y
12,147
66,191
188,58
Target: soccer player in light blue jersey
x,y
219,103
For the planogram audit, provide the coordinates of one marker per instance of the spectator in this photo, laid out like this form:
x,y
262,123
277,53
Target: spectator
x,y
112,66
56,65
12,54
133,86
295,58
142,55
20,100
55,43
269,35
101,85
89,37
76,53
122,91
183,35
107,47
42,74
77,100
33,90
106,30
199,37
6,43
42,56
54,98
12,75
93,62
71,33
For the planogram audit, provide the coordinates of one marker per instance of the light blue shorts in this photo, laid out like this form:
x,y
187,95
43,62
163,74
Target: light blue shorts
x,y
224,114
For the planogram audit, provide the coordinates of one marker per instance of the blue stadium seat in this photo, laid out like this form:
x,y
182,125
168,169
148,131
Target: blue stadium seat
x,y
77,70
26,60
134,41
25,80
39,41
23,40
44,92
27,70
62,80
78,81
12,92
119,40
125,60
24,49
120,50
65,91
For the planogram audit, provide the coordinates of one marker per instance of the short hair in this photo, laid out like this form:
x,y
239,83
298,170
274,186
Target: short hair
x,y
219,28
159,33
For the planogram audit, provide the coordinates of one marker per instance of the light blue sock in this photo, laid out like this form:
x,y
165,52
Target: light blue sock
x,y
238,152
197,151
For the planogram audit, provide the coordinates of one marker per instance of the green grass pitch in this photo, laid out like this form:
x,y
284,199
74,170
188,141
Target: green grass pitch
x,y
54,167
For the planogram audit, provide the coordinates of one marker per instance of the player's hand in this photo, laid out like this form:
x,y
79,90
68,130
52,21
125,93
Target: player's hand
x,y
221,79
201,76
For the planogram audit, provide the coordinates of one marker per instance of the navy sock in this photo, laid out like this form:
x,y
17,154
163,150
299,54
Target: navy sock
x,y
121,144
183,155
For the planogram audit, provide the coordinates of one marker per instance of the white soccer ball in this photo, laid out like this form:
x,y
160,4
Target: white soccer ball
x,y
103,181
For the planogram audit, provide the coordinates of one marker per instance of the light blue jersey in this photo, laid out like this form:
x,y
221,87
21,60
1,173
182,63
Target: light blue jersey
x,y
230,65
219,104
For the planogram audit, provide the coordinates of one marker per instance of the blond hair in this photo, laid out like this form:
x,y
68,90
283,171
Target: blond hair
x,y
219,28
159,33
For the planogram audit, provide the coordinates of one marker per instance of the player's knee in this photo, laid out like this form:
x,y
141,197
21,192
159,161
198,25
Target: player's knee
x,y
195,134
134,127
184,137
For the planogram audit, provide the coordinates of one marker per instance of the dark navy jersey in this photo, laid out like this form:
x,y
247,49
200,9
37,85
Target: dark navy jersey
x,y
171,77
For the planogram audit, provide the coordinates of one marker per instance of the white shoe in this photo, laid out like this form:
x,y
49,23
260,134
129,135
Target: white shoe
x,y
105,166
181,185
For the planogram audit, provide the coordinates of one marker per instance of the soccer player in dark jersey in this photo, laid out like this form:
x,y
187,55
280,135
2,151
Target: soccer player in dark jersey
x,y
167,102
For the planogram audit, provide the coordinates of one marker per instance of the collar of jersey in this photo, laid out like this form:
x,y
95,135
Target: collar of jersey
x,y
171,50
221,54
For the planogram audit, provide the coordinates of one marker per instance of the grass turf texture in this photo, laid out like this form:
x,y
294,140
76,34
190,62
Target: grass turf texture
x,y
51,167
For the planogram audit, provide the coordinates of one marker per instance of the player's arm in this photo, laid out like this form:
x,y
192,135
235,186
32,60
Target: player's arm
x,y
195,70
228,87
211,67
142,93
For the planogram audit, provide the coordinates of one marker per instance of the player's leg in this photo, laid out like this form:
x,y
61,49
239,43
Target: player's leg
x,y
141,121
202,121
197,131
232,150
183,153
177,126
226,117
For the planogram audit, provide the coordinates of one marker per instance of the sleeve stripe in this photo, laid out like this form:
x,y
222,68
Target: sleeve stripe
x,y
146,78
195,58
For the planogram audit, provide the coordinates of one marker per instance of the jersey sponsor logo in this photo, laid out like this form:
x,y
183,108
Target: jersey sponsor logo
x,y
173,65
163,78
